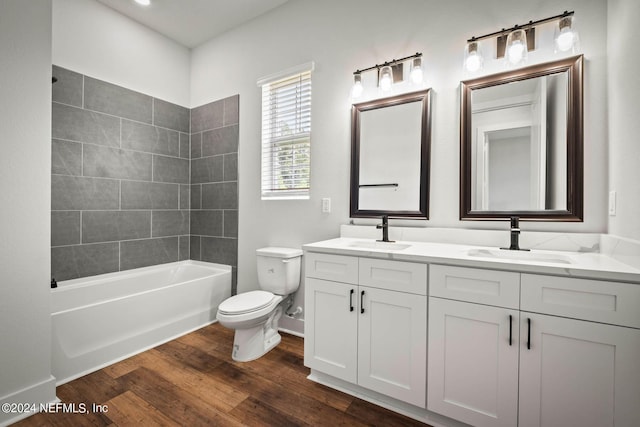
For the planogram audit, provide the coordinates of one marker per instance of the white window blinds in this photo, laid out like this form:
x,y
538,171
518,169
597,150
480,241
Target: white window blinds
x,y
286,135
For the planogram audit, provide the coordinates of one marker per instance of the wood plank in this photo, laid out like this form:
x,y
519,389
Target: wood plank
x,y
303,409
292,344
124,366
127,409
221,396
62,420
173,401
376,415
253,412
189,355
97,387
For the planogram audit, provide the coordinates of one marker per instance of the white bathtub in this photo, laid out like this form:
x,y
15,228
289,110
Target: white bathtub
x,y
102,319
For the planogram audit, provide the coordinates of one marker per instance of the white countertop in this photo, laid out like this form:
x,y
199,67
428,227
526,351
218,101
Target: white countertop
x,y
561,263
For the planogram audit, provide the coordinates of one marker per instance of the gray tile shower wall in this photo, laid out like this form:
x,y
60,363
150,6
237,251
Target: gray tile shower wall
x,y
120,180
214,183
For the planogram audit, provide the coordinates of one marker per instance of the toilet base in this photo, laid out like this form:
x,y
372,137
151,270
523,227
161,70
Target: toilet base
x,y
252,343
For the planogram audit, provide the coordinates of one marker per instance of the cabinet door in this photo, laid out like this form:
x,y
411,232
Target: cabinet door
x,y
473,362
578,373
330,328
392,344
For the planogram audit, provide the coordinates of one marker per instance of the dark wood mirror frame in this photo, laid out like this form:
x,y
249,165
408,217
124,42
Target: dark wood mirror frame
x,y
424,97
575,167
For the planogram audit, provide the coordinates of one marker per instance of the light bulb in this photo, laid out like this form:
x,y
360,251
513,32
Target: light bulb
x,y
143,2
473,63
472,57
516,49
386,78
417,75
357,89
566,36
515,52
565,39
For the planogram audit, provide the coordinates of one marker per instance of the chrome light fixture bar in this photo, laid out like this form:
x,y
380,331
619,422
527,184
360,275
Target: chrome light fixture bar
x,y
390,72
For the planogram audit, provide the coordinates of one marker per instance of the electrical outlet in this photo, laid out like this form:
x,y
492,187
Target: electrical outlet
x,y
612,203
326,205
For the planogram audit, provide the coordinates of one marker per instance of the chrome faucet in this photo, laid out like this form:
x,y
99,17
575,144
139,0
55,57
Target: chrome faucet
x,y
515,235
385,229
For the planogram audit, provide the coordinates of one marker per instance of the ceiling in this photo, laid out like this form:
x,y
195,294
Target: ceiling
x,y
193,22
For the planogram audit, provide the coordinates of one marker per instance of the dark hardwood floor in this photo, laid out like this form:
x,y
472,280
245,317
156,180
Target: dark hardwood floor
x,y
192,381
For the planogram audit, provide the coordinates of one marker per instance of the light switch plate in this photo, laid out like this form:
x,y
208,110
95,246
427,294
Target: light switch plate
x,y
326,205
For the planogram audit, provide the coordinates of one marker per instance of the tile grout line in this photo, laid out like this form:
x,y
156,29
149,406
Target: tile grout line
x,y
128,119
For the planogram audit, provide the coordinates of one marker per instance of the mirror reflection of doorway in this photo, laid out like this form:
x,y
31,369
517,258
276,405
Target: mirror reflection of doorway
x,y
507,157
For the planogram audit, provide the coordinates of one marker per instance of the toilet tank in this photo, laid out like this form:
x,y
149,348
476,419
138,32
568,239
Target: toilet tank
x,y
279,269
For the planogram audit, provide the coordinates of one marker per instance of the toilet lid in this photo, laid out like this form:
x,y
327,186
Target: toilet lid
x,y
246,302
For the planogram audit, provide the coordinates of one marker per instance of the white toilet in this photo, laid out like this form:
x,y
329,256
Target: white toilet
x,y
254,315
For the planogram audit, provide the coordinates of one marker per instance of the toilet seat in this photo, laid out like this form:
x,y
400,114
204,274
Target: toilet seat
x,y
248,303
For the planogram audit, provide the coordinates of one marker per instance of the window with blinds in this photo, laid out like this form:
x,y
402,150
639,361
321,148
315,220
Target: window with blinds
x,y
286,135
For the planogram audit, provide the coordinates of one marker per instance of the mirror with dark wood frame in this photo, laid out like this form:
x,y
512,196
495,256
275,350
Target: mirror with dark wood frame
x,y
521,144
390,145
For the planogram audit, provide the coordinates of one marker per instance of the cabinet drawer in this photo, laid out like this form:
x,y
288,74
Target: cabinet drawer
x,y
394,275
491,287
595,300
338,268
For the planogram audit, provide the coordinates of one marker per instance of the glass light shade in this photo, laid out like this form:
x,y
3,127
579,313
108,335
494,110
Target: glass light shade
x,y
357,89
386,78
417,74
516,48
566,36
472,58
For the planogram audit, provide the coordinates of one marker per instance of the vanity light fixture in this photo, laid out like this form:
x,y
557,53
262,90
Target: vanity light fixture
x,y
513,44
143,2
389,73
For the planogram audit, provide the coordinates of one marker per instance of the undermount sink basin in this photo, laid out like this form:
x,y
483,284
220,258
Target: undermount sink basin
x,y
383,246
520,255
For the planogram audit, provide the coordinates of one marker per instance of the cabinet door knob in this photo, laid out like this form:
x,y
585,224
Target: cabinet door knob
x,y
510,329
361,302
351,299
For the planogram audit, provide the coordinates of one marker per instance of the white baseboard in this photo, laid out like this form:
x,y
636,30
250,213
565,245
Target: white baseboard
x,y
290,332
42,393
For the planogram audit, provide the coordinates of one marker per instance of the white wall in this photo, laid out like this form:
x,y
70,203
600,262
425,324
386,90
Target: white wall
x,y
93,39
624,111
25,182
342,36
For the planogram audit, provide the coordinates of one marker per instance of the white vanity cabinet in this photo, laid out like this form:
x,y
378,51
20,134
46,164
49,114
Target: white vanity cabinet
x,y
473,345
583,370
366,323
558,371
